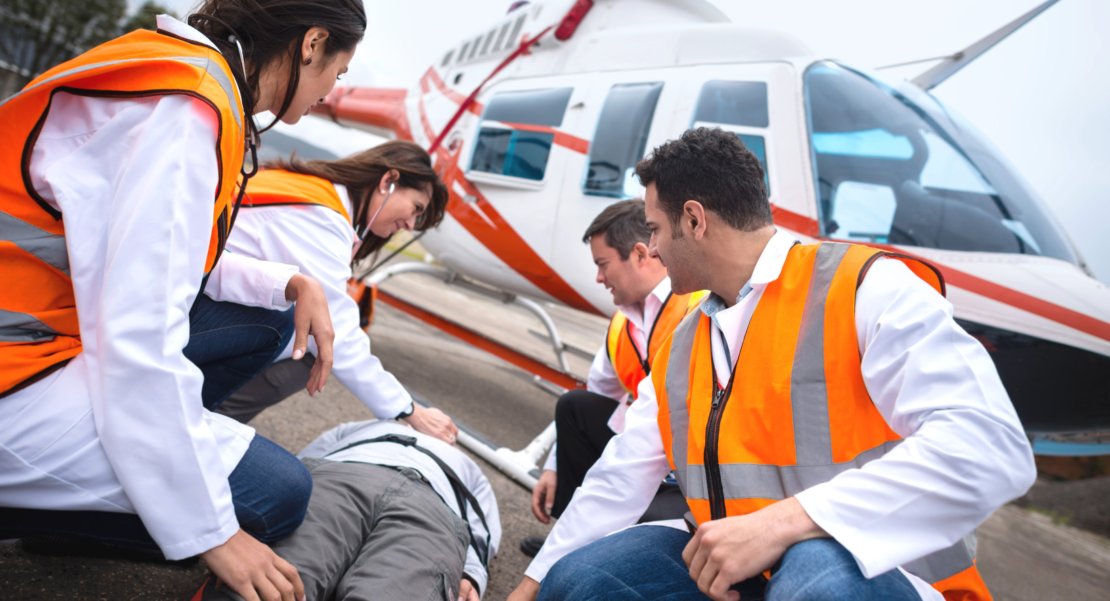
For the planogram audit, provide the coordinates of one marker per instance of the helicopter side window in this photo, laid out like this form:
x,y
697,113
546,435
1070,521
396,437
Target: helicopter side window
x,y
895,167
516,134
736,106
620,140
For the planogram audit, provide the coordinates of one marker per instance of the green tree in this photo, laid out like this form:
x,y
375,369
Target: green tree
x,y
35,35
146,17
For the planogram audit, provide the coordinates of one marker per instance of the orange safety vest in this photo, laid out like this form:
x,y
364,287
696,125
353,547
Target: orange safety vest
x,y
39,330
630,366
796,410
275,187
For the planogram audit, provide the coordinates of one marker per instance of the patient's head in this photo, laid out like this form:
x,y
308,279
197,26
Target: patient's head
x,y
618,239
706,179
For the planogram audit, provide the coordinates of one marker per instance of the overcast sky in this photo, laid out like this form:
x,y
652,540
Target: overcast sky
x,y
1040,95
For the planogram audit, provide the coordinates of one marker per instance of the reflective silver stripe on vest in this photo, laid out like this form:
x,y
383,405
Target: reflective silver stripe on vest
x,y
21,327
756,481
809,396
945,563
677,383
209,66
49,248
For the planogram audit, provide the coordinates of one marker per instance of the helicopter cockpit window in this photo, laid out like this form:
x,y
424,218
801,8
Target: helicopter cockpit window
x,y
620,140
737,106
893,166
516,133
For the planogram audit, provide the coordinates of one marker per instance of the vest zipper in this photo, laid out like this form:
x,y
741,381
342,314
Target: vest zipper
x,y
712,465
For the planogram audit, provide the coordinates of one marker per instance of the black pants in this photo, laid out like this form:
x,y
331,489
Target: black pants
x,y
582,423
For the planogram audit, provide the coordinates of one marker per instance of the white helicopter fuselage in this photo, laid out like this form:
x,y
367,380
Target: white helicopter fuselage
x,y
848,156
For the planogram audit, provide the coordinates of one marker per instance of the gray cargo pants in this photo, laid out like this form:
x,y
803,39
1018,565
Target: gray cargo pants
x,y
278,382
374,532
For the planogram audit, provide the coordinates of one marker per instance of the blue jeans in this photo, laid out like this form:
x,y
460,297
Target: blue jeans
x,y
231,344
646,563
270,487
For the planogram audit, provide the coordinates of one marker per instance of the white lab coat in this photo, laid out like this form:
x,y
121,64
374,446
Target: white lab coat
x,y
603,378
121,428
964,454
319,240
395,455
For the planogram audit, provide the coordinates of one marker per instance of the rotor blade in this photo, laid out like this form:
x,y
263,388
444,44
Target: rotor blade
x,y
933,77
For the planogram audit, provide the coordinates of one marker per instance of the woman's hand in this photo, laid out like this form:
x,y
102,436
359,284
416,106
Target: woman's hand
x,y
311,318
247,566
433,422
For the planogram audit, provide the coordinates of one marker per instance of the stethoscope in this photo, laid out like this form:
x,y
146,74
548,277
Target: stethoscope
x,y
360,235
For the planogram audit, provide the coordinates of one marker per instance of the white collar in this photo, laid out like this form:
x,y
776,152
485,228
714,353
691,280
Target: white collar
x,y
773,257
662,289
171,25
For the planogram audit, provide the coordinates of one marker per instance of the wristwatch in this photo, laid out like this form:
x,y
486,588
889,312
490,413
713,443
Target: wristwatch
x,y
407,412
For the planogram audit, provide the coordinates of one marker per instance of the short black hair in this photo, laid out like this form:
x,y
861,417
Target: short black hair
x,y
624,224
713,167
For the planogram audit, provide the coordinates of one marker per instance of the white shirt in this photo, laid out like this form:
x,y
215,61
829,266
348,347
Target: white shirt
x,y
395,455
121,428
318,240
964,453
603,378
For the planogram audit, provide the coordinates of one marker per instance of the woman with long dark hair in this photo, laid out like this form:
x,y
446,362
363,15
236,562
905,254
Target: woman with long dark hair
x,y
324,216
123,321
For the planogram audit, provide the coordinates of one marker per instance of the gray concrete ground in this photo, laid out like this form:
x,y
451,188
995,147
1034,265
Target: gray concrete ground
x,y
1023,554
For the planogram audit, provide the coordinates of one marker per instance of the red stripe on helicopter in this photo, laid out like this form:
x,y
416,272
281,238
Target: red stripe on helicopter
x,y
574,143
975,284
496,234
455,97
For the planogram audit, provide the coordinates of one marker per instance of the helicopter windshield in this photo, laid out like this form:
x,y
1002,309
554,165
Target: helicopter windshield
x,y
895,166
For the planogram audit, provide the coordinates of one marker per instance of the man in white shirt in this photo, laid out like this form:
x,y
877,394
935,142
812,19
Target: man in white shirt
x,y
587,419
395,515
950,447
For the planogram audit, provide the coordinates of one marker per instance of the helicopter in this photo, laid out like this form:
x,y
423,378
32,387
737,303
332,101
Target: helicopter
x,y
537,122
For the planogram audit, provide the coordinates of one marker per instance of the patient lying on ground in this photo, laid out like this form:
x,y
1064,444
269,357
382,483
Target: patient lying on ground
x,y
390,520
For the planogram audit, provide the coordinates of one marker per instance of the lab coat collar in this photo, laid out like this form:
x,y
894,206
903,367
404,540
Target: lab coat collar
x,y
171,25
767,269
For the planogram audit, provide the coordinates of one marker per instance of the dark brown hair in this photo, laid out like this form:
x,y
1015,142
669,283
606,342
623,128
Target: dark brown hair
x,y
624,224
713,167
274,30
362,172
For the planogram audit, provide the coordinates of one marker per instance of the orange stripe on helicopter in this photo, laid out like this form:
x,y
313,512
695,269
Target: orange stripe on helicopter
x,y
455,97
975,284
562,138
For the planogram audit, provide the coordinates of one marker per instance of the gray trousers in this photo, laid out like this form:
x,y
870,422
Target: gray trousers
x,y
374,532
280,381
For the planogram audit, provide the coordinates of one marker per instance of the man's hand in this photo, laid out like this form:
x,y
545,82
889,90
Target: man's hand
x,y
433,422
543,496
467,592
526,591
731,550
247,565
311,317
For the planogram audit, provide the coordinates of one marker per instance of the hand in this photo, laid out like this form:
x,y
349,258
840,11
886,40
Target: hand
x,y
247,565
731,550
311,317
467,592
543,496
526,591
433,422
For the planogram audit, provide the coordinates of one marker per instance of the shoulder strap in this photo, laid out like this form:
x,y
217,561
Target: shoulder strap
x,y
463,495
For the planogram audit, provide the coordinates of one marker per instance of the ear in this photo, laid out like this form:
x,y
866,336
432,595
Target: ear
x,y
390,177
313,44
693,216
640,252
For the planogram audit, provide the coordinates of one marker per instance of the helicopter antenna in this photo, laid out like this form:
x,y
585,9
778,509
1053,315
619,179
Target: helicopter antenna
x,y
951,64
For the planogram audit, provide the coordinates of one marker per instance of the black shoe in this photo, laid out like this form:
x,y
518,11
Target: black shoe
x,y
66,546
531,545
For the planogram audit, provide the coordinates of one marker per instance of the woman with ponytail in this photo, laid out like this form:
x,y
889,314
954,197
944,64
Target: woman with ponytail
x,y
324,216
123,321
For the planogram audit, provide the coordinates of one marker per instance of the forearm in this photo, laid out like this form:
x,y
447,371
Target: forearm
x,y
251,282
